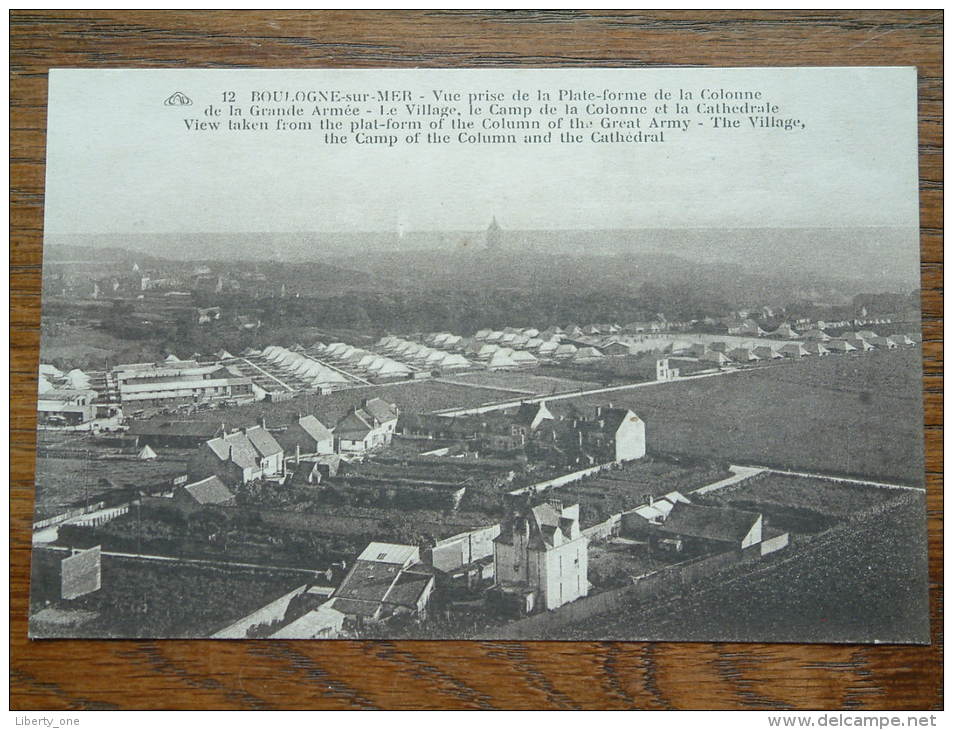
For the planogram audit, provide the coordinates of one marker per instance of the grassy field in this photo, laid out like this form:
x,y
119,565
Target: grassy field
x,y
625,488
867,583
847,415
538,382
61,482
145,599
838,499
411,397
88,347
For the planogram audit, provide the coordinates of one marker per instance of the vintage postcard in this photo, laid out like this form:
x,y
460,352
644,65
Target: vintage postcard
x,y
481,354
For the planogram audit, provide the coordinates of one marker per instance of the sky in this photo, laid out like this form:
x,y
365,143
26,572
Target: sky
x,y
121,161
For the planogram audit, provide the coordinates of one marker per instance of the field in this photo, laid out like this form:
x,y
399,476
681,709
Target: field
x,y
410,397
61,482
538,383
864,582
624,488
146,599
846,415
767,491
88,347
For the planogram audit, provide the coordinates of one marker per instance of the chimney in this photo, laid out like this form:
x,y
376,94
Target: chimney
x,y
261,421
231,450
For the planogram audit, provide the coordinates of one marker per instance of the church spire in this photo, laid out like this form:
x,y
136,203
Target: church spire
x,y
494,236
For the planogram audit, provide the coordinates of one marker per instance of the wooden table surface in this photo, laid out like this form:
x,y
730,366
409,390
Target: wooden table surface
x,y
262,674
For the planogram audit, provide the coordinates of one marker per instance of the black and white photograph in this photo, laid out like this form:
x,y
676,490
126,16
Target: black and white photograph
x,y
538,354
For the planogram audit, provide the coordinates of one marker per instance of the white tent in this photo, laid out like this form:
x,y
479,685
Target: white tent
x,y
794,349
588,353
77,379
742,354
502,359
840,346
525,359
455,362
146,453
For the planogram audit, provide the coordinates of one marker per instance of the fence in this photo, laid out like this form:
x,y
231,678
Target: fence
x,y
68,515
559,481
672,581
101,518
662,583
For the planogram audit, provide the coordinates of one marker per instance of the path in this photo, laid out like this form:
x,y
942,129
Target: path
x,y
503,405
738,473
448,381
191,561
836,478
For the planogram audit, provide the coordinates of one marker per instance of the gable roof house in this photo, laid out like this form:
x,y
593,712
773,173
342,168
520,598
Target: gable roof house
x,y
387,580
306,436
599,434
367,427
690,526
541,559
238,457
208,491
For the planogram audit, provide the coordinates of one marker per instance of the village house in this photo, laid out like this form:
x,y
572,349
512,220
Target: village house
x,y
311,472
463,563
540,559
239,457
370,426
208,491
693,528
386,581
305,436
596,435
664,370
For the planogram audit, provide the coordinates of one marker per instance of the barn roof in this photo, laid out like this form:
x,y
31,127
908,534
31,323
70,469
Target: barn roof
x,y
709,523
210,490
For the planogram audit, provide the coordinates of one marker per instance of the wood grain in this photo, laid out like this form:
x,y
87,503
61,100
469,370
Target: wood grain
x,y
262,675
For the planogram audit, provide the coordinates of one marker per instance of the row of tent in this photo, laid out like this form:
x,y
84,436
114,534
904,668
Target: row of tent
x,y
720,354
52,378
495,356
359,360
303,366
572,330
423,356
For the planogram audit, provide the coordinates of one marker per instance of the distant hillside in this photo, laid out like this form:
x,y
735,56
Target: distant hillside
x,y
738,265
